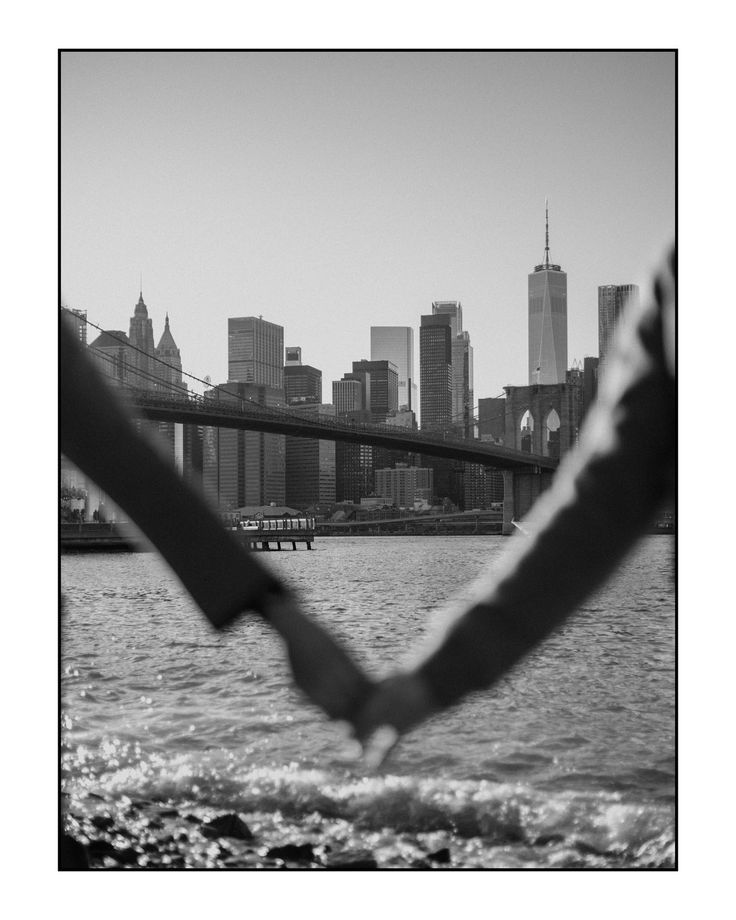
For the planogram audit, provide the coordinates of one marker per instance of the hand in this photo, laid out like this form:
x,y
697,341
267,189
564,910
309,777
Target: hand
x,y
396,705
322,669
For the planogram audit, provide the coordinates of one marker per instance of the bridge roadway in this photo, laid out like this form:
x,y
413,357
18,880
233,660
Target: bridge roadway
x,y
250,416
459,517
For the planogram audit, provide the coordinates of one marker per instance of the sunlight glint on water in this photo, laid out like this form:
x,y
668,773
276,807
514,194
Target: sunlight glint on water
x,y
575,749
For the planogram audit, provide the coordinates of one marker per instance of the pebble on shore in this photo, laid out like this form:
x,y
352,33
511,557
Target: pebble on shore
x,y
144,834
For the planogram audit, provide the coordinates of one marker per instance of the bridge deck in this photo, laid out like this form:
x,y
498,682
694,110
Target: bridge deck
x,y
253,417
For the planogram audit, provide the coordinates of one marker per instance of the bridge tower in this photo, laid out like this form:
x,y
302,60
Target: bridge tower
x,y
540,419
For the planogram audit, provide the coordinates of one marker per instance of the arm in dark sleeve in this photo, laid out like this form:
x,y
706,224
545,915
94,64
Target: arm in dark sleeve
x,y
97,435
604,496
223,577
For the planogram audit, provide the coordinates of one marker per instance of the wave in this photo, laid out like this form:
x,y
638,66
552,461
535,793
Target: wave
x,y
500,814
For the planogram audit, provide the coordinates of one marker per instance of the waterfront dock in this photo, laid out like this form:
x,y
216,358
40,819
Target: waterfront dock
x,y
266,533
92,536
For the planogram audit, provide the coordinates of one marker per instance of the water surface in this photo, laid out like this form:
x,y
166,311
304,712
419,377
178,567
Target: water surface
x,y
569,761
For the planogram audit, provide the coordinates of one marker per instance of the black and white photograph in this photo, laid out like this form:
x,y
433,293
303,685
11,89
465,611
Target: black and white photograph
x,y
367,388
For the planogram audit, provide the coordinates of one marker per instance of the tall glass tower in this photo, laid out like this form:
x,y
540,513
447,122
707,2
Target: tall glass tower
x,y
612,298
396,344
462,366
547,319
435,371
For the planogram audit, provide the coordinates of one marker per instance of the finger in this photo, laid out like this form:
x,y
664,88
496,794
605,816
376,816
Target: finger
x,y
379,745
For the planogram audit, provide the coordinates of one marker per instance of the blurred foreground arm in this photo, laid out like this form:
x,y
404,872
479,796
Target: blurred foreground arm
x,y
604,496
223,578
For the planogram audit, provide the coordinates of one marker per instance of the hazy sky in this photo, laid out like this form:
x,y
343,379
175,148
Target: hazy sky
x,y
329,192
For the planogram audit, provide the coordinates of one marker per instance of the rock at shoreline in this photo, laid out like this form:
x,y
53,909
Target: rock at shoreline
x,y
102,822
440,856
292,852
229,825
72,855
352,859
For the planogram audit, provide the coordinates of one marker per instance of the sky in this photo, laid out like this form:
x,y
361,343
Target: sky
x,y
332,191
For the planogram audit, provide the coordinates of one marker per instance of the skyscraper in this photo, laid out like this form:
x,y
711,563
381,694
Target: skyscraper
x,y
492,419
590,382
247,467
547,320
379,380
243,467
403,485
310,463
435,370
255,351
612,298
168,368
302,382
114,357
347,395
140,336
436,388
183,442
462,367
396,344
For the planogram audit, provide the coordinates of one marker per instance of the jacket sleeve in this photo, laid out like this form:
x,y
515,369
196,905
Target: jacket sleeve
x,y
97,435
605,494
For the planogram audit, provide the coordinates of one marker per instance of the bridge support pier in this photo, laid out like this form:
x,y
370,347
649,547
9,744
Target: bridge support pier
x,y
507,528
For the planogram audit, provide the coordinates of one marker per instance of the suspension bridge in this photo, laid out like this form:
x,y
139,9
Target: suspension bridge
x,y
251,416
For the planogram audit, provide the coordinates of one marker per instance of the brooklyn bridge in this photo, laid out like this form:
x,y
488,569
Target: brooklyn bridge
x,y
154,396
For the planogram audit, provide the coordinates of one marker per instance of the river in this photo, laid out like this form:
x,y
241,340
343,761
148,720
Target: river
x,y
568,762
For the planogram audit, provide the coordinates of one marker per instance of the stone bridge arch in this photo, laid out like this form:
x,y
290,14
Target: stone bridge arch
x,y
554,407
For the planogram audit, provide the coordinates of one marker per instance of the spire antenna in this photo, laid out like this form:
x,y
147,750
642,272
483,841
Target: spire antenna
x,y
546,233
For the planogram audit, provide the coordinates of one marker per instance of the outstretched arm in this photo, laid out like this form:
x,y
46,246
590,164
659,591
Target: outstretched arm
x,y
604,496
223,578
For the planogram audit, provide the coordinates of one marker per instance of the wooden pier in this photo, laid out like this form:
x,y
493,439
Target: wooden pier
x,y
265,533
94,537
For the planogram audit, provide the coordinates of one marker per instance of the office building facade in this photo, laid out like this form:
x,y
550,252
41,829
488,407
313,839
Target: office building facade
x,y
347,396
612,299
492,419
436,336
547,320
404,485
396,345
112,354
379,381
302,382
354,464
244,467
310,464
462,367
255,352
248,468
590,382
435,371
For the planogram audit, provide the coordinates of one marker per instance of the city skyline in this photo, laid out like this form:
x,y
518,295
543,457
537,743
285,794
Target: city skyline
x,y
308,188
